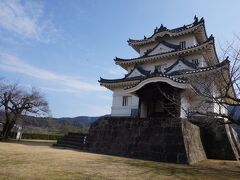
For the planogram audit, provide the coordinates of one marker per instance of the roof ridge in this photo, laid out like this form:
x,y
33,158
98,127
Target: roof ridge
x,y
174,30
140,69
186,62
211,38
165,43
173,77
142,78
203,69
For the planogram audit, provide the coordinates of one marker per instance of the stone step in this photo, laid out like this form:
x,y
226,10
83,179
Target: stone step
x,y
79,144
76,134
76,137
67,146
66,138
72,140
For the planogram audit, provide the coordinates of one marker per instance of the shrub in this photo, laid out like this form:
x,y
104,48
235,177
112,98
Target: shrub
x,y
41,136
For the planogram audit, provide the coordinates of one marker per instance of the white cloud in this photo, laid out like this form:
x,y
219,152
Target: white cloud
x,y
116,70
12,63
63,90
25,19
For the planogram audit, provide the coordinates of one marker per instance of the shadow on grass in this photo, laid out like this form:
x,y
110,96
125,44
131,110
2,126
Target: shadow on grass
x,y
207,169
198,170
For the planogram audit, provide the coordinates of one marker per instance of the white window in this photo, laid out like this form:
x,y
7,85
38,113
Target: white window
x,y
183,44
125,101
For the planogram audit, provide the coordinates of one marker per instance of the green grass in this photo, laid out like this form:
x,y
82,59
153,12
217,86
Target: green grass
x,y
39,160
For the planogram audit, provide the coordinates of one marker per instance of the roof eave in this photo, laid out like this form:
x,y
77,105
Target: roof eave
x,y
125,63
134,43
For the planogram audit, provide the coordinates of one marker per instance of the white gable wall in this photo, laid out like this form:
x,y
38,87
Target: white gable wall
x,y
165,62
201,60
168,62
180,66
190,41
161,48
135,73
145,48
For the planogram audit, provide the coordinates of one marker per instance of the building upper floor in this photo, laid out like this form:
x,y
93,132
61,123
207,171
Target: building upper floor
x,y
192,33
168,44
168,51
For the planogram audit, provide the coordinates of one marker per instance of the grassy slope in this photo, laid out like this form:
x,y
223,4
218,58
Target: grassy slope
x,y
38,160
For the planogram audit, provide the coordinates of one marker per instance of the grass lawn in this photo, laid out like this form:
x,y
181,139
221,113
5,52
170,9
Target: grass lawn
x,y
38,160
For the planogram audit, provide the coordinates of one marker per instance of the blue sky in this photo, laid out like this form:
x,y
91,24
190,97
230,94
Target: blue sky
x,y
62,47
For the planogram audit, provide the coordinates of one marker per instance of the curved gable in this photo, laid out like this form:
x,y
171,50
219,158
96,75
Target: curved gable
x,y
171,81
137,71
180,65
161,48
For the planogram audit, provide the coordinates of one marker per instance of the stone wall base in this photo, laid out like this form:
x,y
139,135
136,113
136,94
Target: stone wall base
x,y
219,141
167,140
158,139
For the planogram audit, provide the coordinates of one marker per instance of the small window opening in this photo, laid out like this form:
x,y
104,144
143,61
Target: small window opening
x,y
183,44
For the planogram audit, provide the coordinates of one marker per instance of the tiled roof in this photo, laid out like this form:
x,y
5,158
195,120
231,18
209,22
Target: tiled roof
x,y
173,76
203,69
140,69
167,44
209,40
184,61
174,31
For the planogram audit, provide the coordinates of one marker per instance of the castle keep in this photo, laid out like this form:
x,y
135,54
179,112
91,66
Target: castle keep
x,y
166,60
145,122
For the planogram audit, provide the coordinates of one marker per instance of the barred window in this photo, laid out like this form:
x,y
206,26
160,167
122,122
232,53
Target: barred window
x,y
182,44
195,61
158,68
125,101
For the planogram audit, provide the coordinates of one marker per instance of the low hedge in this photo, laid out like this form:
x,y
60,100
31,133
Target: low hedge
x,y
41,136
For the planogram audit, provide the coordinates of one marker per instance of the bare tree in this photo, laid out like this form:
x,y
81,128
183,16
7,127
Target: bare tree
x,y
216,91
16,102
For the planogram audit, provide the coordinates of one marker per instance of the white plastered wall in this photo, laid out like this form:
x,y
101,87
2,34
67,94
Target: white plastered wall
x,y
145,48
135,73
117,104
160,49
185,104
190,41
218,108
180,66
192,102
169,61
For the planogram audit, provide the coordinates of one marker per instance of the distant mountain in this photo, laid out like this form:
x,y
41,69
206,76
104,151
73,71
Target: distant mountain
x,y
237,117
55,125
85,121
237,111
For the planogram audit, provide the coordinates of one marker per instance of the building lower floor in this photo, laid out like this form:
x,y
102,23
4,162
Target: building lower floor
x,y
157,99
